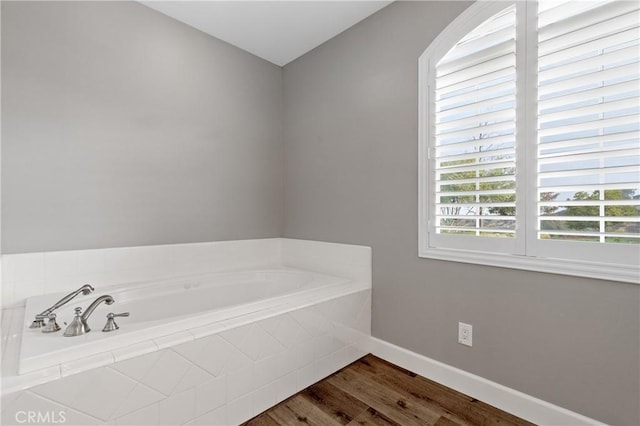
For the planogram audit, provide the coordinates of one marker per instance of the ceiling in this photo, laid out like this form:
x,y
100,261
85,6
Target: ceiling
x,y
278,31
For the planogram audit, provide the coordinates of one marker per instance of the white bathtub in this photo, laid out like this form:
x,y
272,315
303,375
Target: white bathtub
x,y
162,308
216,348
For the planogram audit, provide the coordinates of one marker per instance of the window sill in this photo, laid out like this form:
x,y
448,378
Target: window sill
x,y
603,271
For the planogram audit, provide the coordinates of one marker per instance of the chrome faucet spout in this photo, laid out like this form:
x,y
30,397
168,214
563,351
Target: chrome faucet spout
x,y
92,307
39,320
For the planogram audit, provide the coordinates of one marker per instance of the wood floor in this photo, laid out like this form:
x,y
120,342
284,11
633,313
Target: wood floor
x,y
372,391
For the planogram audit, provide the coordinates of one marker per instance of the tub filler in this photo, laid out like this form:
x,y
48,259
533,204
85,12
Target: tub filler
x,y
214,349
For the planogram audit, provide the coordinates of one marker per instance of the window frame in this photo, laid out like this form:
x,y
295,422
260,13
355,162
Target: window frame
x,y
527,252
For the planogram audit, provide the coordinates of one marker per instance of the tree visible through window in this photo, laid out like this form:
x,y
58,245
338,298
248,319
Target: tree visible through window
x,y
475,132
588,121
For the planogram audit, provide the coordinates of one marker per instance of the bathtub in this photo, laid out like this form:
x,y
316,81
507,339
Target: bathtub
x,y
212,348
161,308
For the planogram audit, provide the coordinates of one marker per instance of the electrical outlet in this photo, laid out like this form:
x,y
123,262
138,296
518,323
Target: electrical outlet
x,y
465,334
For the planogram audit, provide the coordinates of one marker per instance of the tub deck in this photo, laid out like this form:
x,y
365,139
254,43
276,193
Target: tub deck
x,y
31,357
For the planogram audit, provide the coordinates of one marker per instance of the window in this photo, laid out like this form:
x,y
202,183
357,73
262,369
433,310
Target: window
x,y
530,138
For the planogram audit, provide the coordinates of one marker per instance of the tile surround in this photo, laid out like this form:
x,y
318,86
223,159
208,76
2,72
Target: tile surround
x,y
217,374
33,274
217,379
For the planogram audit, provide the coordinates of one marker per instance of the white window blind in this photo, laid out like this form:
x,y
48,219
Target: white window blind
x,y
530,138
588,122
475,159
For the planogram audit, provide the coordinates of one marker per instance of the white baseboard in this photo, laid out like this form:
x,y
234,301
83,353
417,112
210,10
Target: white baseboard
x,y
512,401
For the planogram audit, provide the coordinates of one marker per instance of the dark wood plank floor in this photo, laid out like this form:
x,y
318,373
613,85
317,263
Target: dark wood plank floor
x,y
374,392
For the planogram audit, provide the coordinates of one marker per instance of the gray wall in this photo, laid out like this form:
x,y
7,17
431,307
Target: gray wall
x,y
122,127
351,124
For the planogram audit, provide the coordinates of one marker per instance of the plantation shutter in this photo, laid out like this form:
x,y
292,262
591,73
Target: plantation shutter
x,y
588,121
474,156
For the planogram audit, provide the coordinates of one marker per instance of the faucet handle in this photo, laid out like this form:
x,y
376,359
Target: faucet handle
x,y
52,326
111,323
37,323
76,328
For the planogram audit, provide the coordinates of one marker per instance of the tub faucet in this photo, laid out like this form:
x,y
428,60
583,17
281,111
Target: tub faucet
x,y
79,325
39,321
92,307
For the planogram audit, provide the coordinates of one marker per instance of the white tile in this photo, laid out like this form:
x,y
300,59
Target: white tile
x,y
335,259
144,416
217,417
26,380
212,353
207,330
265,371
159,260
326,366
17,321
29,267
308,375
286,386
141,396
177,409
238,360
264,398
287,331
239,382
343,310
66,389
211,395
305,354
246,318
139,366
356,352
259,344
7,293
8,267
325,345
344,357
286,362
247,253
126,259
314,323
173,339
133,351
106,392
24,289
14,413
7,402
240,410
344,335
97,279
61,284
239,336
120,276
167,372
86,363
193,350
194,377
60,270
91,261
192,259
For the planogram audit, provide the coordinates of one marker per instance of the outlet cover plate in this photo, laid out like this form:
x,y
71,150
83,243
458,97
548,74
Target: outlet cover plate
x,y
465,334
